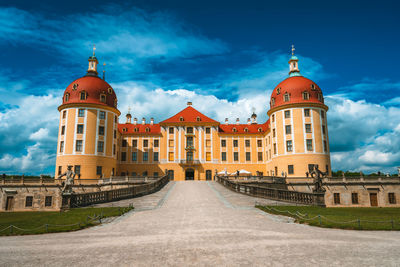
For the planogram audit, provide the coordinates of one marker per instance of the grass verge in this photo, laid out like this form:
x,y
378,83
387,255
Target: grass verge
x,y
343,218
32,222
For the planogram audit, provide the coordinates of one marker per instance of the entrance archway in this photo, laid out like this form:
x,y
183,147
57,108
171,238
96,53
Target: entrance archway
x,y
189,174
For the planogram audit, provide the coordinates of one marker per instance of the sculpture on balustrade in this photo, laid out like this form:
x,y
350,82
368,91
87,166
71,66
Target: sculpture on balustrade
x,y
69,181
317,175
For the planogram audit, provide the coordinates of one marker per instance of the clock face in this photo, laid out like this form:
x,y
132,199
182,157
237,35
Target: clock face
x,y
74,86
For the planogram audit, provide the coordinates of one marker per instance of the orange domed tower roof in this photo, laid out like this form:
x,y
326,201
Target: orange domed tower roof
x,y
90,89
296,88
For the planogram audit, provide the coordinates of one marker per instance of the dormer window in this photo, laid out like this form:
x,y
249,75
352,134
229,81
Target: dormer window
x,y
109,90
103,98
83,95
181,119
74,87
124,130
272,102
66,98
198,119
234,130
313,86
246,130
320,98
278,91
136,130
306,96
147,129
286,97
259,130
115,103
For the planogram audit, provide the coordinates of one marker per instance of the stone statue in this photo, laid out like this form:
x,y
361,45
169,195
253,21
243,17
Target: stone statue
x,y
317,175
69,181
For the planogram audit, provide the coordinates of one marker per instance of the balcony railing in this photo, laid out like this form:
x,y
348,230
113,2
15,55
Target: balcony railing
x,y
189,161
190,147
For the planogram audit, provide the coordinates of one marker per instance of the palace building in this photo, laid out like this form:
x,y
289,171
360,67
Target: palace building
x,y
291,138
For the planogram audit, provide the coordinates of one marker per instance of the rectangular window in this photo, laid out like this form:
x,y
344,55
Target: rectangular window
x,y
259,143
134,156
115,119
235,143
99,170
189,156
64,114
223,156
115,134
134,143
308,128
289,146
287,114
171,143
290,169
247,142
274,148
236,156
134,174
309,145
59,170
100,146
336,198
78,145
223,143
155,156
208,143
145,156
61,146
81,112
156,143
48,201
354,198
392,198
288,129
102,115
77,169
322,114
323,129
208,130
189,141
273,133
79,129
171,130
171,156
145,143
28,201
62,130
189,130
101,130
273,118
325,146
260,156
123,156
114,150
208,156
248,156
124,143
155,174
306,112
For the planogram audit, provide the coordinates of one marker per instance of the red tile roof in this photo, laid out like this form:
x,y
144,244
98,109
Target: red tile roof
x,y
241,128
140,128
189,114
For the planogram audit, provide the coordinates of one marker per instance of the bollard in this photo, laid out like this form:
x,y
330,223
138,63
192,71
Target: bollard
x,y
319,219
11,229
47,228
359,223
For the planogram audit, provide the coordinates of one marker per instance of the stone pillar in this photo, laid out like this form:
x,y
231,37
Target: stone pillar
x,y
66,201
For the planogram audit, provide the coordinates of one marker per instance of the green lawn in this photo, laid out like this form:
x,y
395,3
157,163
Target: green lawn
x,y
41,222
345,218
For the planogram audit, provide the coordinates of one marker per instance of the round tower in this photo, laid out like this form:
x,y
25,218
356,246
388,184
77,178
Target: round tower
x,y
87,137
299,129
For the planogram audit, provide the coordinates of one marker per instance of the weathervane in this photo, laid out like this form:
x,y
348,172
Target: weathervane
x,y
94,49
293,50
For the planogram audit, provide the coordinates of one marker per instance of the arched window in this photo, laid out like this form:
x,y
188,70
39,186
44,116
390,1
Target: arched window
x,y
136,130
124,130
66,98
198,119
272,102
83,95
286,97
147,129
278,91
115,103
109,90
306,96
320,98
181,119
103,98
259,130
234,130
312,86
246,130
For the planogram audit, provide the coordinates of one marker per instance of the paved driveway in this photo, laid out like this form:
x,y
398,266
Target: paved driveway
x,y
202,223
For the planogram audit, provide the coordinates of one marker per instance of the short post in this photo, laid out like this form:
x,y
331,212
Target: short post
x,y
319,219
47,227
359,223
11,229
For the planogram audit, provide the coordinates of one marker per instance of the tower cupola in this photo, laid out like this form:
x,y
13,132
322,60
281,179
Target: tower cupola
x,y
294,65
92,70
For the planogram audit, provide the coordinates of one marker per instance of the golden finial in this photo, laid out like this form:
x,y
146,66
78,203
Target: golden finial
x,y
293,50
94,49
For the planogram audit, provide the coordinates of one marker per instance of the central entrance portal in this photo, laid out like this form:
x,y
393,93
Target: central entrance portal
x,y
189,174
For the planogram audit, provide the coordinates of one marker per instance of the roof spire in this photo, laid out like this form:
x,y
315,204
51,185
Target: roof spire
x,y
104,71
92,70
94,49
293,64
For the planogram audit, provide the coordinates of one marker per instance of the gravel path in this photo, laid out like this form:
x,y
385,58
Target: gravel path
x,y
202,223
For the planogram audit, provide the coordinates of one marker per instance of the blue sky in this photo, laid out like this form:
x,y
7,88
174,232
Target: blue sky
x,y
224,56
